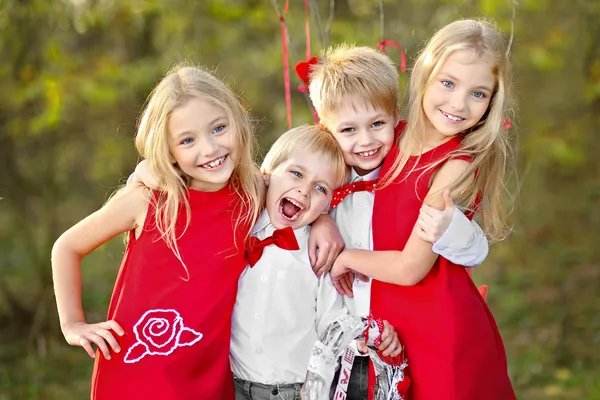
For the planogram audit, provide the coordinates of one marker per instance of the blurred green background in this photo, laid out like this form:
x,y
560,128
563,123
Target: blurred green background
x,y
74,76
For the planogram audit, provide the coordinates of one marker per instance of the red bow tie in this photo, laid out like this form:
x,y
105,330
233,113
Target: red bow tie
x,y
283,238
340,193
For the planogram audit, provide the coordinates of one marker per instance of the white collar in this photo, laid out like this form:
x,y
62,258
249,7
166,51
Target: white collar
x,y
264,221
368,177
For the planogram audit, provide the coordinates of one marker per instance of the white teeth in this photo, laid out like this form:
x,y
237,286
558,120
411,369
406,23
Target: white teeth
x,y
295,203
452,117
295,217
214,163
368,153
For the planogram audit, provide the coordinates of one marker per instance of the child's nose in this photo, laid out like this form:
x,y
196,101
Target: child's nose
x,y
458,102
208,147
365,137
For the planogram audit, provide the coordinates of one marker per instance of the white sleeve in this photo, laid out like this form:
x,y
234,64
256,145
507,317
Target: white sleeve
x,y
330,304
463,243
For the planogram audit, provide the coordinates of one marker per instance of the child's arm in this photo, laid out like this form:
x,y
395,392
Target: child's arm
x,y
124,212
453,235
405,267
325,243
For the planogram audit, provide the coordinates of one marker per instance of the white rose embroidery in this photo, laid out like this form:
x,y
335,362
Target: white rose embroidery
x,y
160,332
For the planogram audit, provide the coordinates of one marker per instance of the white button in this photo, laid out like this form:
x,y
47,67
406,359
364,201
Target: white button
x,y
257,316
258,351
358,244
359,205
263,278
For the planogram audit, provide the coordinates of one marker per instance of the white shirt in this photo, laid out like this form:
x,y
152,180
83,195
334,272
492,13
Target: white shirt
x,y
277,315
463,243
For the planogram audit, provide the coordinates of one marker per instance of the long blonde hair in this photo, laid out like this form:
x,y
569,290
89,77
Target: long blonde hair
x,y
179,85
487,142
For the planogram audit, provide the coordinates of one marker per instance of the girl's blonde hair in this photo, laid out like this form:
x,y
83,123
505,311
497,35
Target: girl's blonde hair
x,y
312,139
486,143
179,85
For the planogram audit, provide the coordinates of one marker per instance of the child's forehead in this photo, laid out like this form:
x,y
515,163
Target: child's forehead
x,y
314,162
352,109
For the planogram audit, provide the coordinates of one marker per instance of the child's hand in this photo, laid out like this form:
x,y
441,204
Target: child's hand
x,y
83,334
390,344
342,277
361,347
326,238
434,222
143,174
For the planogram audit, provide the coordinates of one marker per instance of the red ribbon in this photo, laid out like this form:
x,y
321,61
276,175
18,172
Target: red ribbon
x,y
382,46
286,72
307,29
283,238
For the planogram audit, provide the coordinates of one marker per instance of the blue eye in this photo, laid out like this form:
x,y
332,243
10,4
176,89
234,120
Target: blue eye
x,y
219,129
479,95
377,124
187,141
347,130
296,173
448,84
322,189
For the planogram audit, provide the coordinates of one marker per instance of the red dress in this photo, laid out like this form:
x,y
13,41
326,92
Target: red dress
x,y
453,346
177,329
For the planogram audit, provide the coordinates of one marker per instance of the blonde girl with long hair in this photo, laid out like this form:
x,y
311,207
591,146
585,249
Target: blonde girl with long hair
x,y
168,327
453,142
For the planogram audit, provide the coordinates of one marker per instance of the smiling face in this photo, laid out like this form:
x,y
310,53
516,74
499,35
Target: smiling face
x,y
365,135
459,95
202,144
300,189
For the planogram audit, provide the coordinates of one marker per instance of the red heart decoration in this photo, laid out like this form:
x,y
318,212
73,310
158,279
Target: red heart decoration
x,y
483,291
303,69
403,386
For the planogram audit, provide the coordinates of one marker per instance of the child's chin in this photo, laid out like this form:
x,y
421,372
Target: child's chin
x,y
368,165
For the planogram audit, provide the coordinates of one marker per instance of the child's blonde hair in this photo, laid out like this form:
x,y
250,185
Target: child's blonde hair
x,y
486,142
312,139
179,85
361,75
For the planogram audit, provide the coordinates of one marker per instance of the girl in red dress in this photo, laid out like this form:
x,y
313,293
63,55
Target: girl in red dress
x,y
168,328
454,141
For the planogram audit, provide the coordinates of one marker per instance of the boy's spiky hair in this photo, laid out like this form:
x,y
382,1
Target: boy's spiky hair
x,y
360,75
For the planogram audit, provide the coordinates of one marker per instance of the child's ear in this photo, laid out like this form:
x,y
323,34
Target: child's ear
x,y
396,116
266,179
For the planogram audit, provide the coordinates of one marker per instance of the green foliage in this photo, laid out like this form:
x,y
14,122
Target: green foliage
x,y
75,75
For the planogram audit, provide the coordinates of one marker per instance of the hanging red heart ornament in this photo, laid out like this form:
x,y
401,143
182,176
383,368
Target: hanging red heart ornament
x,y
303,69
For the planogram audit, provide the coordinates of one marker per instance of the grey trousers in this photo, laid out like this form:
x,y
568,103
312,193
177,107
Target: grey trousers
x,y
246,390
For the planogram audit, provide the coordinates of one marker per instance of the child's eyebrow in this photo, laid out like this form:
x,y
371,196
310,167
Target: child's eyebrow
x,y
218,119
180,135
483,87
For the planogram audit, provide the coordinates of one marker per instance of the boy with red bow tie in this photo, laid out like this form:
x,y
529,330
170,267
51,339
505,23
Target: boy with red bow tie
x,y
278,316
355,93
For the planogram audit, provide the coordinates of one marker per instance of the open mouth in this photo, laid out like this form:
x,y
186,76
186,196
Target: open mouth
x,y
214,164
368,153
452,118
290,209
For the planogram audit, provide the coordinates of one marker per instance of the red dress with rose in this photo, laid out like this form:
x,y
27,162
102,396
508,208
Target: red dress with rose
x,y
177,326
452,343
